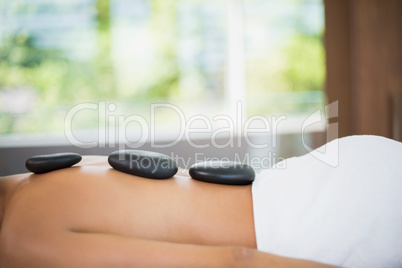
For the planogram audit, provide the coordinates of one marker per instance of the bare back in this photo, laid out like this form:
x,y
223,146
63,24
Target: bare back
x,y
98,199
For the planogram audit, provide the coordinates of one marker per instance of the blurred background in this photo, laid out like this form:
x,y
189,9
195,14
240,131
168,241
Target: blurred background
x,y
191,53
288,57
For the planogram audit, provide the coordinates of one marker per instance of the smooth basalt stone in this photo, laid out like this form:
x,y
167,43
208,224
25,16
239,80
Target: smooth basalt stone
x,y
143,163
228,172
49,162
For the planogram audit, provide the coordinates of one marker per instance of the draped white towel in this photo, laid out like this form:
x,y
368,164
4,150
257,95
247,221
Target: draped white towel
x,y
349,215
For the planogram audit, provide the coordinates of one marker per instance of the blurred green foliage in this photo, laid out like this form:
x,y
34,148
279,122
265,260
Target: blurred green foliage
x,y
19,50
60,82
164,26
298,68
305,63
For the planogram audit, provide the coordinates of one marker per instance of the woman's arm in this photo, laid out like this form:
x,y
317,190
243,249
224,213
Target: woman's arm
x,y
93,250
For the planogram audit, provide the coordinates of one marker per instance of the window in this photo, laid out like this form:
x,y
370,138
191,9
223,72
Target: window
x,y
201,56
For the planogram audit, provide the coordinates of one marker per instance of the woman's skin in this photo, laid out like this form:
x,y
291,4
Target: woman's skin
x,y
93,216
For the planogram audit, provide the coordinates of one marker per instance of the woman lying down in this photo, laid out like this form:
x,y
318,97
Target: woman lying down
x,y
308,214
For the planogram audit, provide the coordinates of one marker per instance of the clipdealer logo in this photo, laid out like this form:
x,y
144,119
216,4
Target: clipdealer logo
x,y
328,153
112,128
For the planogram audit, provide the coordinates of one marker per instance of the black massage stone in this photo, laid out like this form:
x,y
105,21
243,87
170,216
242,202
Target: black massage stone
x,y
143,163
232,173
45,163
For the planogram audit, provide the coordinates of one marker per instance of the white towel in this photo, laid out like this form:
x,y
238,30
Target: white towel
x,y
349,215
